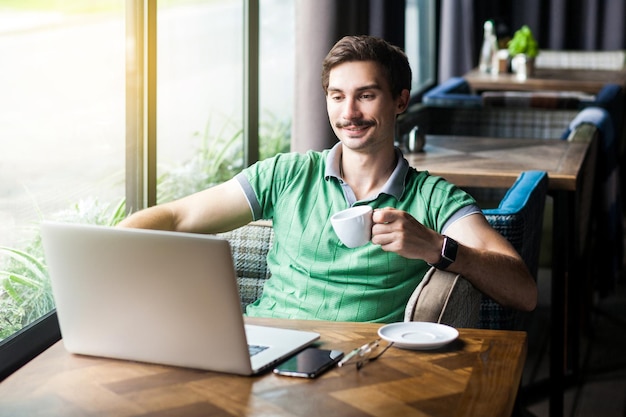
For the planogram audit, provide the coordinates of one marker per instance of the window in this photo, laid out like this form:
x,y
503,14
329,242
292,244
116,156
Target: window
x,y
200,90
277,50
199,95
62,137
64,113
421,43
64,125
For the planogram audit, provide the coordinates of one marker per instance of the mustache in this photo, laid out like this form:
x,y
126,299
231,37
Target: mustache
x,y
355,122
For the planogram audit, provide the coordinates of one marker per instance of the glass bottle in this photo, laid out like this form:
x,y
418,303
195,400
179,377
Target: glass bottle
x,y
489,50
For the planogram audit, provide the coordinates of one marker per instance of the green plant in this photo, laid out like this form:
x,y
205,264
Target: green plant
x,y
274,136
523,42
25,292
220,157
27,288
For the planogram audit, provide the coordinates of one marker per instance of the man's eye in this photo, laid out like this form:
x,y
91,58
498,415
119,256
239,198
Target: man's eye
x,y
367,96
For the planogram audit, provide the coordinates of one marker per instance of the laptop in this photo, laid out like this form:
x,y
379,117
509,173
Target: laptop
x,y
160,297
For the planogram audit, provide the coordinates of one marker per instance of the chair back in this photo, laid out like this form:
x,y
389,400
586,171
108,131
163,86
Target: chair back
x,y
601,200
490,122
448,298
519,218
457,93
250,245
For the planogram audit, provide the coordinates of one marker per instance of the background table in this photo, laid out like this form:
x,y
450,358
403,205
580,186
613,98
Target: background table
x,y
555,79
476,375
471,161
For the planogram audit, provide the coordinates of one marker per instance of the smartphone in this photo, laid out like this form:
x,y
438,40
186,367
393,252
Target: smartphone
x,y
309,363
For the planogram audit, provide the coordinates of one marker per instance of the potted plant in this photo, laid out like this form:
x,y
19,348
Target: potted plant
x,y
523,49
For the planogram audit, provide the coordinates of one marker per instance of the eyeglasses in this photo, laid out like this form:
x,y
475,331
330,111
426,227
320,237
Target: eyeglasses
x,y
367,353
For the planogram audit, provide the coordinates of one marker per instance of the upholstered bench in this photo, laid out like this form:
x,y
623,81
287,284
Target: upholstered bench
x,y
456,92
587,60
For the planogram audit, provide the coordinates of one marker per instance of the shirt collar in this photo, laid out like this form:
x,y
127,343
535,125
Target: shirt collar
x,y
394,185
332,162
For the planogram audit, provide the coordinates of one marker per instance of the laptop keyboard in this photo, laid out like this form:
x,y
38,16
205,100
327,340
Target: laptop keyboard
x,y
254,349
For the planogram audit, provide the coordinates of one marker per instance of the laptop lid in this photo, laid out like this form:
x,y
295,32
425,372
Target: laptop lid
x,y
153,296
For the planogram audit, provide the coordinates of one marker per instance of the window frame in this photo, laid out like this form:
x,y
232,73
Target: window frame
x,y
19,348
431,23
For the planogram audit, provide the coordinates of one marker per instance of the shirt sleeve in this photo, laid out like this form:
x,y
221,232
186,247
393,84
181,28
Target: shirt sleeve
x,y
253,201
461,213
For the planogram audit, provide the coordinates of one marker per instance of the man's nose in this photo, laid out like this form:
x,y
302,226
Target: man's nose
x,y
350,110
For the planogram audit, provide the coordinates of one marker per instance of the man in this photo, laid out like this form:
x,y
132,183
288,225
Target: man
x,y
314,276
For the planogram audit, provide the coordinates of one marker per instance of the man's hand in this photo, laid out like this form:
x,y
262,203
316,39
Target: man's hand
x,y
484,257
397,231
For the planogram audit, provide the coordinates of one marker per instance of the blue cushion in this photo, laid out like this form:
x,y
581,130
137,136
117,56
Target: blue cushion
x,y
453,92
518,195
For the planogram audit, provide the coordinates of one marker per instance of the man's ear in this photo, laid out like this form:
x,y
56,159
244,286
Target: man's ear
x,y
402,101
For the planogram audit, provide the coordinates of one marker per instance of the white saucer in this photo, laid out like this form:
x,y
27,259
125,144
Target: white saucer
x,y
418,335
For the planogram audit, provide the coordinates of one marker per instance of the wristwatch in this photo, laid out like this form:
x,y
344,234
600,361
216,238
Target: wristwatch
x,y
448,253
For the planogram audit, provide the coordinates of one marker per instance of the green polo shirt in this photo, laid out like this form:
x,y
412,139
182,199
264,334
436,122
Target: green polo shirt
x,y
314,276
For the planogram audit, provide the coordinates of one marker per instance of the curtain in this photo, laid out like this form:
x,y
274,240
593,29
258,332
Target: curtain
x,y
556,24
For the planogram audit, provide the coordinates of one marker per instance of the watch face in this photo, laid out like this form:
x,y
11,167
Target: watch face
x,y
450,248
448,253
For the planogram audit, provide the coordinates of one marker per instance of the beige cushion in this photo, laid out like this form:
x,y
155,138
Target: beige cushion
x,y
446,298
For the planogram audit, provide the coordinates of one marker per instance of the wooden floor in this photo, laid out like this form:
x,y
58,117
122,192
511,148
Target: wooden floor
x,y
601,389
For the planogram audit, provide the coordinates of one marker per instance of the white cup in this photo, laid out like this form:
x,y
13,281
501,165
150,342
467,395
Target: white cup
x,y
353,225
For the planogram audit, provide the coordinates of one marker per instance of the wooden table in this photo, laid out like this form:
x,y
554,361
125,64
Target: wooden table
x,y
555,79
496,163
471,161
476,375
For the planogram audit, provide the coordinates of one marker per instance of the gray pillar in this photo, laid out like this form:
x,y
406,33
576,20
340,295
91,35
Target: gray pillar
x,y
319,24
315,35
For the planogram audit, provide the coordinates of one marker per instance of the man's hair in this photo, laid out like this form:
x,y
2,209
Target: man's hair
x,y
392,60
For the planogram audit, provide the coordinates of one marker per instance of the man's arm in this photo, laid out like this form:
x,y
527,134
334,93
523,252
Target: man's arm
x,y
484,257
216,209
